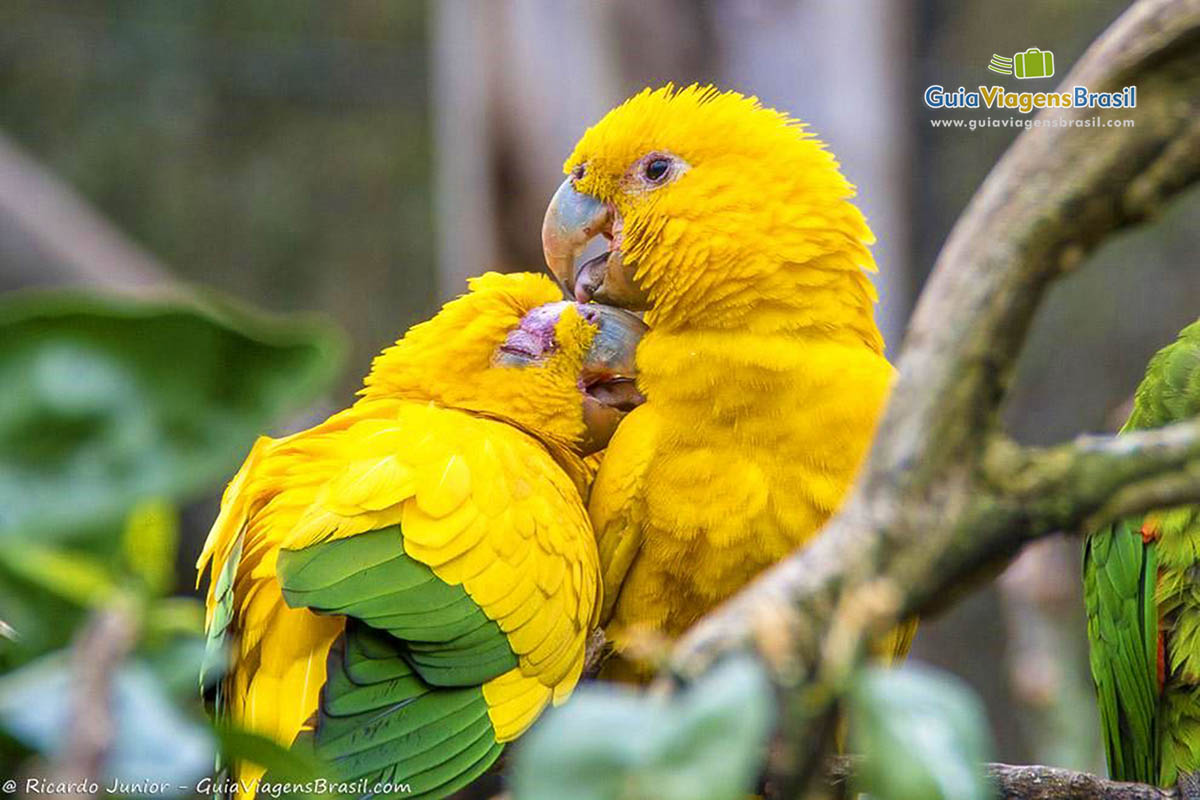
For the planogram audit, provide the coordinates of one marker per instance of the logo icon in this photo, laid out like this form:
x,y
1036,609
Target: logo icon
x,y
1033,63
1001,64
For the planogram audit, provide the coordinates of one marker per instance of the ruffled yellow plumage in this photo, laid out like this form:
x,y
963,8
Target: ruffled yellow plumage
x,y
763,368
482,502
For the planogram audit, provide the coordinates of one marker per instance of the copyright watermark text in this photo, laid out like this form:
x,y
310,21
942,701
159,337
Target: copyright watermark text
x,y
205,786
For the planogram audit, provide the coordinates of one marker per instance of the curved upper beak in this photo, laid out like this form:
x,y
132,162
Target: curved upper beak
x,y
572,219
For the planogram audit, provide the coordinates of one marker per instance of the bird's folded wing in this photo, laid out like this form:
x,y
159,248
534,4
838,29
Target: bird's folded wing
x,y
1120,573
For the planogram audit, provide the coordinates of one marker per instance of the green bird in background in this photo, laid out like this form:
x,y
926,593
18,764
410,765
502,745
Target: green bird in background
x,y
1141,578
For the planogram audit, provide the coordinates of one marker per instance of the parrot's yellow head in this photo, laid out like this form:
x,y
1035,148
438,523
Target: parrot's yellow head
x,y
718,213
513,349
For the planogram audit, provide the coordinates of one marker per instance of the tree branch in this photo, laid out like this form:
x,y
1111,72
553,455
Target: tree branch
x,y
1136,472
1034,783
944,494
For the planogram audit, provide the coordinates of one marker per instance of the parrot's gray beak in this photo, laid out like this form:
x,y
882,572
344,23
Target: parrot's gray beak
x,y
572,220
613,352
609,372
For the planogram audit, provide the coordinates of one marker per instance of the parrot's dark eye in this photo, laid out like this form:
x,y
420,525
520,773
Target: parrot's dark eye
x,y
654,169
657,169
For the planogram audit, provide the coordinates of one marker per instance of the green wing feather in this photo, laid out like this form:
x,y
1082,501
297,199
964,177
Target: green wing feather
x,y
447,637
217,641
379,721
402,702
1122,620
1170,392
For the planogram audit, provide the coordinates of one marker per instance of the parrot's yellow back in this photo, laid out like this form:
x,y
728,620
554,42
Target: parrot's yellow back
x,y
448,477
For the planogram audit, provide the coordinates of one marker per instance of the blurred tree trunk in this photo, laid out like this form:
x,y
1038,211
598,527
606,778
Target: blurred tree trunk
x,y
818,60
464,209
49,235
515,83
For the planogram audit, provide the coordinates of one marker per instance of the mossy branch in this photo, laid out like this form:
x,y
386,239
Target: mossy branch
x,y
1034,783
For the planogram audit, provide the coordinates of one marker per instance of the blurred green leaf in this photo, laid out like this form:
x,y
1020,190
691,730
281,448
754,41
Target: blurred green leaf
x,y
175,615
922,734
610,742
150,542
41,621
154,741
112,401
175,662
281,763
74,576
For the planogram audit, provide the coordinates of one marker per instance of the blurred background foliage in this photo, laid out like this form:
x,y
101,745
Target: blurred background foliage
x,y
277,151
116,412
358,159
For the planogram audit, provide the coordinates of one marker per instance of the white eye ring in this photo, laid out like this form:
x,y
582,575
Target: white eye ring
x,y
657,169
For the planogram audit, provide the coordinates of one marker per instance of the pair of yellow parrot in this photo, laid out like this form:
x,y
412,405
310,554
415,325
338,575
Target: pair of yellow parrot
x,y
406,586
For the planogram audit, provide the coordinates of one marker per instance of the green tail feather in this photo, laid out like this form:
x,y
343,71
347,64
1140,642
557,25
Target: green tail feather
x,y
217,644
1140,596
380,722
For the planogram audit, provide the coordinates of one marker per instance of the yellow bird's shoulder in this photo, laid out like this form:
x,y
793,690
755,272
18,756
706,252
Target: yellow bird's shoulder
x,y
616,504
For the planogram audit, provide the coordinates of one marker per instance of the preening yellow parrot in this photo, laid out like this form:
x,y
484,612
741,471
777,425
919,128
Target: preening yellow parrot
x,y
763,369
408,584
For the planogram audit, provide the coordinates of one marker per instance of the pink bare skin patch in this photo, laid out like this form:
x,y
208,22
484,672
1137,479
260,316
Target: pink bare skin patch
x,y
534,338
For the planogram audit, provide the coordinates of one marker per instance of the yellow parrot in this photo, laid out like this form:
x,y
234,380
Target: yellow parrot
x,y
411,582
763,369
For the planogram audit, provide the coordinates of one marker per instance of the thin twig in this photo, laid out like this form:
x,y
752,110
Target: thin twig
x,y
96,656
72,243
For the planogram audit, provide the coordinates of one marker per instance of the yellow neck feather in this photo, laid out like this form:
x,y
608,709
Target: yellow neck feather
x,y
743,355
826,297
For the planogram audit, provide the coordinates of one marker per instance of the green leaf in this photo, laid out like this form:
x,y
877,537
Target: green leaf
x,y
44,591
175,615
610,742
151,541
40,621
175,662
73,576
922,734
154,741
109,402
281,763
